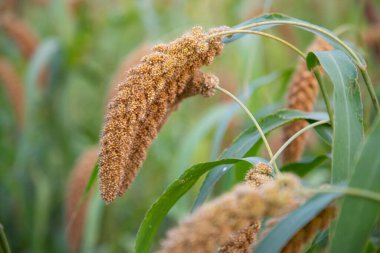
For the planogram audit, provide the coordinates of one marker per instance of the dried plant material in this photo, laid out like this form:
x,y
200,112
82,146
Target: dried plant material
x,y
7,5
302,94
75,204
128,62
242,240
20,33
12,85
309,231
143,101
259,175
213,223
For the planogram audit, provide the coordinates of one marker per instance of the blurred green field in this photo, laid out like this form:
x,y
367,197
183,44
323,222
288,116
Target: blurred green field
x,y
80,46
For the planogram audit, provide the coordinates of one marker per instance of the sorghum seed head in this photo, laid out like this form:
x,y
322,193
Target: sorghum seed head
x,y
144,100
260,174
75,210
13,86
213,224
302,94
20,33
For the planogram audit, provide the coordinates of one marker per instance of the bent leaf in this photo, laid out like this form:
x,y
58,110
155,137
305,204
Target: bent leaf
x,y
176,190
267,21
358,215
348,114
248,140
277,238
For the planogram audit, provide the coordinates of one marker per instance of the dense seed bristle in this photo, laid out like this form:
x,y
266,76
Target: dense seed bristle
x,y
211,225
75,210
128,62
149,92
13,87
302,94
241,241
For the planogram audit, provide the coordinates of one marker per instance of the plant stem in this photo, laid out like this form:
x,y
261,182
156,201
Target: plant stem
x,y
325,96
309,26
283,147
350,191
4,246
369,85
254,122
232,32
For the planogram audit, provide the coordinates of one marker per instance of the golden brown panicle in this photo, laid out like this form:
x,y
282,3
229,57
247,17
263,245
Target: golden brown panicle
x,y
12,85
76,202
20,33
302,95
143,101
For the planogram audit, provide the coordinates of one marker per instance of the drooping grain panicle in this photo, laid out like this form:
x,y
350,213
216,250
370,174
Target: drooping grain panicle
x,y
144,99
212,224
241,241
302,94
18,30
132,59
12,84
76,202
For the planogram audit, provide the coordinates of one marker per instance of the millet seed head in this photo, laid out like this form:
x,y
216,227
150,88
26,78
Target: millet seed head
x,y
150,91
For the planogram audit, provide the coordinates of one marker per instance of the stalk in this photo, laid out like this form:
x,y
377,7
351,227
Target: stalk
x,y
325,96
270,153
286,144
289,45
350,191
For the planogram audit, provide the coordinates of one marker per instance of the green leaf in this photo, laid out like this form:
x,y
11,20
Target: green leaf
x,y
178,188
358,215
92,179
248,141
325,131
302,168
277,19
348,114
291,224
234,108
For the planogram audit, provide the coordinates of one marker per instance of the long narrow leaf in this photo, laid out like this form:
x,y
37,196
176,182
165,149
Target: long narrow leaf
x,y
289,226
247,141
278,19
348,114
358,216
178,188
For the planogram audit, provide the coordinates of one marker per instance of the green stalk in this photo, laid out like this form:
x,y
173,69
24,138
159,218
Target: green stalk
x,y
369,85
269,150
325,96
289,45
283,147
4,246
350,191
309,26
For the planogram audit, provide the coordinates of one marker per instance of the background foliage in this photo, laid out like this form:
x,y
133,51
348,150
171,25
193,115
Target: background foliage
x,y
83,47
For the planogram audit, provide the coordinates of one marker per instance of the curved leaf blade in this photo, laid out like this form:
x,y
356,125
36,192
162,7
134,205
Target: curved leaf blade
x,y
348,115
248,141
275,19
358,215
176,190
289,226
302,168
